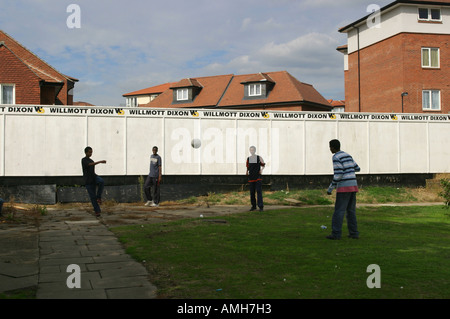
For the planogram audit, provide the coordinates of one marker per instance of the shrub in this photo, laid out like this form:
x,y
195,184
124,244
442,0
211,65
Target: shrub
x,y
445,183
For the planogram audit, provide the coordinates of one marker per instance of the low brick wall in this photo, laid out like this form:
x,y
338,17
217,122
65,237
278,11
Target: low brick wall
x,y
180,187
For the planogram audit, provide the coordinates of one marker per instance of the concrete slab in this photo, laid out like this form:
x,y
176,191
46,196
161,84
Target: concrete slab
x,y
19,257
131,293
65,261
18,270
61,277
122,282
129,272
112,258
81,222
59,290
9,283
88,243
112,265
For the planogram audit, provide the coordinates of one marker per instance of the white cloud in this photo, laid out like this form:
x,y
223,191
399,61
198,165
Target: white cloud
x,y
245,23
327,3
310,53
313,50
311,58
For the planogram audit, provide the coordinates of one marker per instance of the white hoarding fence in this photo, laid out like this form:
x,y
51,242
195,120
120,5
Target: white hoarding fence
x,y
50,140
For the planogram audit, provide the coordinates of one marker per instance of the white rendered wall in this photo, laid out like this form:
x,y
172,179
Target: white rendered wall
x,y
399,19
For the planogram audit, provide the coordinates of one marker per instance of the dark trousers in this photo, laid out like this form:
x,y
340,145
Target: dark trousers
x,y
1,205
345,206
256,187
151,189
95,192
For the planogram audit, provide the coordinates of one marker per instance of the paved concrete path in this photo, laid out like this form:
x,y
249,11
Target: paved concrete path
x,y
19,258
39,256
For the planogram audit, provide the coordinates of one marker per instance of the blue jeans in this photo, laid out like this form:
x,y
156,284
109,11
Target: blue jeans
x,y
256,187
1,205
345,205
96,192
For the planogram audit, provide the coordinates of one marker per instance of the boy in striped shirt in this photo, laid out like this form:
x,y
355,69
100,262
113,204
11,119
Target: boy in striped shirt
x,y
344,180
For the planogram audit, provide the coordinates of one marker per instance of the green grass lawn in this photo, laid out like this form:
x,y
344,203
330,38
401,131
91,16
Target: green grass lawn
x,y
284,254
368,195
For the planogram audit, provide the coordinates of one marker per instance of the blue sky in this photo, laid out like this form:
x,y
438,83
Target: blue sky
x,y
123,46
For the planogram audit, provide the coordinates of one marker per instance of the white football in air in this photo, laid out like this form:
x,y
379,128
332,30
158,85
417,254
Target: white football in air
x,y
196,143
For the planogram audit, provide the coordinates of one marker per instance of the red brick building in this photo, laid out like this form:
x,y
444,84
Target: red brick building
x,y
260,91
398,59
26,79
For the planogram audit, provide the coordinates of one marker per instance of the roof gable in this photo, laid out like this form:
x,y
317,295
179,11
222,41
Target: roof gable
x,y
41,68
158,89
189,82
9,60
260,77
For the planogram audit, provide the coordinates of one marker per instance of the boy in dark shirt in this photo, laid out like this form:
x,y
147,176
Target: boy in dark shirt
x,y
255,165
151,186
91,180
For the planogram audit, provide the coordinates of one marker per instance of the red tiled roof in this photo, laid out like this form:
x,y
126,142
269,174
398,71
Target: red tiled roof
x,y
287,89
81,103
336,102
158,89
41,68
189,82
212,88
44,76
260,77
228,91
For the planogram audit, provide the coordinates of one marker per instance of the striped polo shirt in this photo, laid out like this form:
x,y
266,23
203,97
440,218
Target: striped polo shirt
x,y
344,179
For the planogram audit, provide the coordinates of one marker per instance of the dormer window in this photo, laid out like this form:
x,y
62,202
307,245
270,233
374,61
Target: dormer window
x,y
257,86
254,89
182,94
185,91
428,14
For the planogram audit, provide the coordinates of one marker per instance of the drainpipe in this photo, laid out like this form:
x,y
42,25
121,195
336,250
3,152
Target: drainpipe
x,y
359,72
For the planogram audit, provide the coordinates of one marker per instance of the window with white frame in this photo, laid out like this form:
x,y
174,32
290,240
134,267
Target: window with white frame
x,y
132,102
182,95
7,94
428,14
431,100
254,89
430,57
